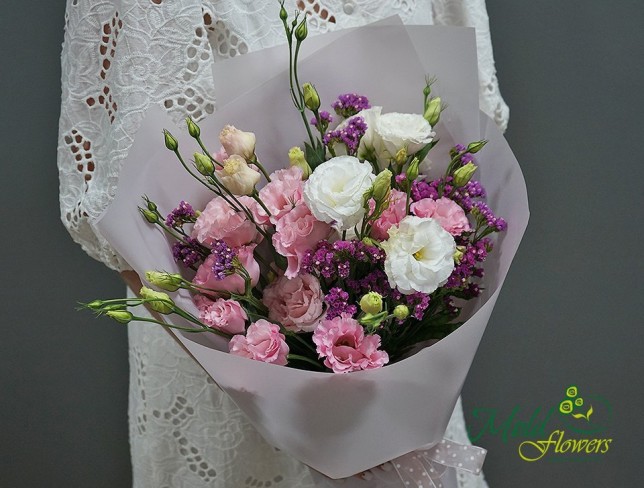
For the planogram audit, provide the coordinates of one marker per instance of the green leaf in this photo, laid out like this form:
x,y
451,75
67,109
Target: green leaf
x,y
422,154
589,413
315,155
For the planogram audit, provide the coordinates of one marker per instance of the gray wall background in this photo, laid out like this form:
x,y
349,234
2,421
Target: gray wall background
x,y
569,313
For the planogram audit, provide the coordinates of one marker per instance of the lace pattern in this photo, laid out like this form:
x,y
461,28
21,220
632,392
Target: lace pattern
x,y
118,59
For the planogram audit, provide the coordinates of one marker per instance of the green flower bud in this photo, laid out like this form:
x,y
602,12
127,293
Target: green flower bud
x,y
311,97
283,12
571,392
204,164
579,402
463,174
366,196
433,111
95,305
301,31
122,316
371,303
272,276
296,158
152,207
149,216
401,312
372,320
115,306
159,301
428,86
369,241
401,156
412,170
193,128
170,142
458,254
382,186
165,281
474,147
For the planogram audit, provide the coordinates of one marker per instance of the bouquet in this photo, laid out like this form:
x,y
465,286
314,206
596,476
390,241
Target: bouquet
x,y
350,253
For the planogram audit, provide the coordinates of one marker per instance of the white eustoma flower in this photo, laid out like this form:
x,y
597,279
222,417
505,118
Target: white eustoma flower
x,y
397,130
371,141
334,191
419,255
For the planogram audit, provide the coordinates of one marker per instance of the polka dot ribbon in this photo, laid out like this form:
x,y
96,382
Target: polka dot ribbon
x,y
425,467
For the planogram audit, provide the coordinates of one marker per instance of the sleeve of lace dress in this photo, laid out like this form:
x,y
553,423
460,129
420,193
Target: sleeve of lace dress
x,y
473,13
114,66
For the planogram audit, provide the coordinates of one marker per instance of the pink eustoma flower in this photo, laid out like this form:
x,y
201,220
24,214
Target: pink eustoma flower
x,y
219,221
262,342
225,315
283,192
344,346
448,213
392,215
295,233
295,303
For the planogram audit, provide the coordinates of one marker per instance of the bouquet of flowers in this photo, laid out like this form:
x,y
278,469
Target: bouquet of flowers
x,y
357,254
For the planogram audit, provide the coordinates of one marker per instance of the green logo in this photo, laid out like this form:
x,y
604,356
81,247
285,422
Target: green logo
x,y
576,432
567,406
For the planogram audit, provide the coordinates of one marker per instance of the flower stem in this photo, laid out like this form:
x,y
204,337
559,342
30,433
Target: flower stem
x,y
297,357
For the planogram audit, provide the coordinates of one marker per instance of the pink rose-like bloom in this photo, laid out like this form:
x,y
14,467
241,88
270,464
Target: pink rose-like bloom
x,y
447,212
292,173
221,155
343,344
297,303
283,192
263,342
218,221
225,315
295,233
232,283
391,216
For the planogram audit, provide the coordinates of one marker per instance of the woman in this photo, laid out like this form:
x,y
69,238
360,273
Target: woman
x,y
121,57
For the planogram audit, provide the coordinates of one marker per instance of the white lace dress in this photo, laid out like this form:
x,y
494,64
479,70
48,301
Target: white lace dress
x,y
118,59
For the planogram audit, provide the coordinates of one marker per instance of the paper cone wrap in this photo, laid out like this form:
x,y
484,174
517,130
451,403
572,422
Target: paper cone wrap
x,y
339,424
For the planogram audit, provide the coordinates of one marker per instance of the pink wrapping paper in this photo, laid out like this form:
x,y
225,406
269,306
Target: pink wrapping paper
x,y
337,424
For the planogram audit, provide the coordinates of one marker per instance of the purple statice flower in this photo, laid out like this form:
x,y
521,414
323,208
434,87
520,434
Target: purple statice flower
x,y
349,135
350,104
224,264
467,266
376,280
337,304
319,261
466,158
325,118
418,303
422,189
401,179
180,215
465,194
450,306
187,253
496,223
333,261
